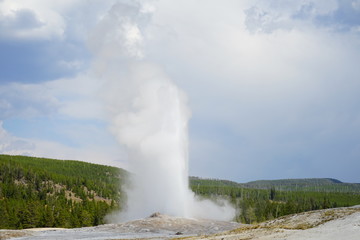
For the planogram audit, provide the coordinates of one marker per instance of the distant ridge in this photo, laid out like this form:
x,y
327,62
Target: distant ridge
x,y
213,182
302,180
301,184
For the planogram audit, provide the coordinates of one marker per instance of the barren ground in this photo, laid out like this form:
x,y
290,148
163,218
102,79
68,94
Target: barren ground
x,y
339,223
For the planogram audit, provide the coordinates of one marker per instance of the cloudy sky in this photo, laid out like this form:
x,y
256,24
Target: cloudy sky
x,y
273,86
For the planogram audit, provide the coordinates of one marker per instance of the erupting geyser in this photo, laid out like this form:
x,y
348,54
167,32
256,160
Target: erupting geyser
x,y
149,116
154,131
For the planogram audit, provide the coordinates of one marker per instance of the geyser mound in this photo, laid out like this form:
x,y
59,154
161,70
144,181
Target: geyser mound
x,y
149,116
166,225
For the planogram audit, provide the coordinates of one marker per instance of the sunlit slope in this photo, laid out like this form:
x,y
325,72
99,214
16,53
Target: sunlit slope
x,y
40,192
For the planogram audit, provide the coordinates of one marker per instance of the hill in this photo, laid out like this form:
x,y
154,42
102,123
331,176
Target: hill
x,y
304,184
194,181
264,200
40,192
307,184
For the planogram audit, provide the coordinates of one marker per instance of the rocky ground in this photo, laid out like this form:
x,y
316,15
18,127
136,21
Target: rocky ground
x,y
329,224
339,223
156,226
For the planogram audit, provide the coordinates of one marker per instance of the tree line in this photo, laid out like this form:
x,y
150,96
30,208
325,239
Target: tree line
x,y
53,193
258,205
39,192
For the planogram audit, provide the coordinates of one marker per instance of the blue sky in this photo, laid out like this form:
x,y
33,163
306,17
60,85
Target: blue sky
x,y
273,86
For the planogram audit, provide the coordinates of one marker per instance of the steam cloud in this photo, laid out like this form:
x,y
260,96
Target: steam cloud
x,y
149,116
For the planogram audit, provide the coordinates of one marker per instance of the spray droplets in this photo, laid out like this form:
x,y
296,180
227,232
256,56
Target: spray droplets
x,y
149,116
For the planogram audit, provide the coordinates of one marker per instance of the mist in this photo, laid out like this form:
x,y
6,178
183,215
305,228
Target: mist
x,y
148,114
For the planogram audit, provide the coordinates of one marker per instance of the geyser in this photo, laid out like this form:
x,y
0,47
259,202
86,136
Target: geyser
x,y
154,131
149,116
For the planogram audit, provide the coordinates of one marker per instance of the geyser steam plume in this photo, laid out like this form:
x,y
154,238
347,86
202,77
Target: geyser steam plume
x,y
149,116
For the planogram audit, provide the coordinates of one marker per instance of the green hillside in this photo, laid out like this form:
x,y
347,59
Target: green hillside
x,y
264,200
305,184
195,181
308,184
40,192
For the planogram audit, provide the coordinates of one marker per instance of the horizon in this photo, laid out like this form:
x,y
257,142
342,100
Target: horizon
x,y
200,177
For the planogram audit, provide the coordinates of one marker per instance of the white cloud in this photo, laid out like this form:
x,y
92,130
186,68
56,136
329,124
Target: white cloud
x,y
12,145
356,5
44,20
26,100
100,154
68,97
26,20
284,93
269,16
69,110
78,96
75,65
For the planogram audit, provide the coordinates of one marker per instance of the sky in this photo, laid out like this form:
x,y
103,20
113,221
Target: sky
x,y
273,86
